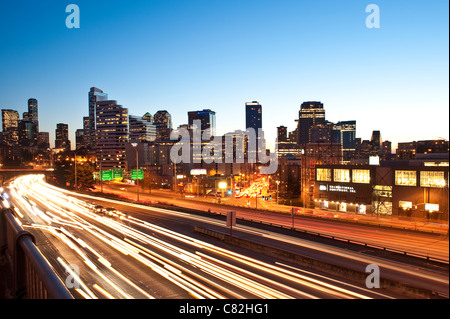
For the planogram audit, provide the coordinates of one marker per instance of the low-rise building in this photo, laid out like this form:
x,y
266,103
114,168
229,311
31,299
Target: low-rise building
x,y
411,189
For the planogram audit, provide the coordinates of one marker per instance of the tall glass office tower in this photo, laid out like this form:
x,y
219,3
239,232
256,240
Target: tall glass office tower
x,y
207,119
311,114
33,112
112,134
95,95
253,115
163,122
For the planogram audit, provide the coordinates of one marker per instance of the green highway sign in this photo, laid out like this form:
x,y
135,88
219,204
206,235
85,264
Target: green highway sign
x,y
117,174
107,175
134,174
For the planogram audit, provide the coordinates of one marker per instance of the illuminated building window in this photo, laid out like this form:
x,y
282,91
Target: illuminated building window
x,y
361,176
324,174
383,191
382,208
342,175
405,178
362,209
432,179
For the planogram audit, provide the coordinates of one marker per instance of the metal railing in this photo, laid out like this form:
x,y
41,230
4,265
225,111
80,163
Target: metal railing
x,y
33,276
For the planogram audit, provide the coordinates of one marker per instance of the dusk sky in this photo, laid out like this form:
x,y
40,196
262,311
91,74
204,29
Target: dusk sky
x,y
184,56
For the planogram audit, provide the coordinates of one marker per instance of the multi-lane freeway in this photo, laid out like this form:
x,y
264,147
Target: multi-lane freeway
x,y
413,242
146,252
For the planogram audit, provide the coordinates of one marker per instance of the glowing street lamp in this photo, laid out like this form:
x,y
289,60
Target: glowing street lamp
x,y
278,183
223,185
134,144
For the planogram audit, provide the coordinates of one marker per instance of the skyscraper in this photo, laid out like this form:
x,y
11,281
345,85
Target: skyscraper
x,y
282,134
95,95
376,139
28,134
10,123
43,140
33,112
140,130
344,132
112,134
62,136
163,122
207,119
79,139
10,134
310,114
253,115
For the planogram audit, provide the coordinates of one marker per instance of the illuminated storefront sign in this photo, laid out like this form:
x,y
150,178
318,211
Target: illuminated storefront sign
x,y
342,189
198,171
336,188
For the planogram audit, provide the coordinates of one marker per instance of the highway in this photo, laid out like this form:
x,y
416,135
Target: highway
x,y
426,244
152,253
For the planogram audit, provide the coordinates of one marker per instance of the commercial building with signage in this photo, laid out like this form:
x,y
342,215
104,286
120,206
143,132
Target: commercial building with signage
x,y
410,190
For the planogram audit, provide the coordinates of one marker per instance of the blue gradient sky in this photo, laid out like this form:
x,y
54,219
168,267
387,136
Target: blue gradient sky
x,y
189,55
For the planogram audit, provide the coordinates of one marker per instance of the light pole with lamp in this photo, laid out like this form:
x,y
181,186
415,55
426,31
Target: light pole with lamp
x,y
278,183
76,184
222,187
134,144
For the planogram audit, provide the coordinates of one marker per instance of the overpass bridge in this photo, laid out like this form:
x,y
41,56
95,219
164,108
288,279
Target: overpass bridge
x,y
8,173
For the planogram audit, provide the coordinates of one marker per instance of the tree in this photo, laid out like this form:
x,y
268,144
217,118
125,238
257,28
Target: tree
x,y
85,175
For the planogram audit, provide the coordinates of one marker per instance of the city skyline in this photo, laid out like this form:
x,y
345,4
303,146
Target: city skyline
x,y
230,150
393,79
270,144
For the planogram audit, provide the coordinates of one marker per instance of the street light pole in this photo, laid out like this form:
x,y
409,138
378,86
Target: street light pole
x,y
137,169
76,184
278,183
101,173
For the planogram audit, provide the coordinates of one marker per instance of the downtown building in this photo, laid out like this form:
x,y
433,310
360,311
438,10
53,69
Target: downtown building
x,y
202,128
310,114
141,130
112,135
163,122
410,150
95,95
408,189
373,148
62,140
32,113
253,115
20,139
10,135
